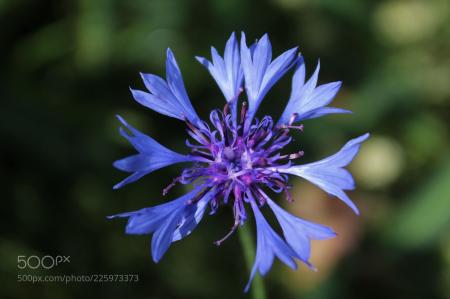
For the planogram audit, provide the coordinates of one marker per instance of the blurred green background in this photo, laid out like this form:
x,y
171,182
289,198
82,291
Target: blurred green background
x,y
65,71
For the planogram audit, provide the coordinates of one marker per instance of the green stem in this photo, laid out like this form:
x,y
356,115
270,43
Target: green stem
x,y
245,236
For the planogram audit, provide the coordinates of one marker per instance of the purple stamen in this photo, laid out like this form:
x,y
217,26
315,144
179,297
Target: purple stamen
x,y
171,185
232,230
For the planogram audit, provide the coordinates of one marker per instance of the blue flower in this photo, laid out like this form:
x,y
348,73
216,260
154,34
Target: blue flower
x,y
235,156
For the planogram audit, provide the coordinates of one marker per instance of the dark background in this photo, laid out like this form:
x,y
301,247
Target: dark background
x,y
65,70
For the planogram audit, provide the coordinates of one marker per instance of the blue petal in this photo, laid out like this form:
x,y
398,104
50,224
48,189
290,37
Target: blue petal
x,y
179,224
308,100
299,233
192,216
162,238
156,103
226,71
329,174
147,220
318,112
168,222
167,97
259,72
268,245
151,155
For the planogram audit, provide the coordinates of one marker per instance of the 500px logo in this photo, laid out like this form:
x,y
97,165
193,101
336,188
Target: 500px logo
x,y
46,262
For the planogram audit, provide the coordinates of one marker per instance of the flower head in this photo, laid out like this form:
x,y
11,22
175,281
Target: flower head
x,y
235,155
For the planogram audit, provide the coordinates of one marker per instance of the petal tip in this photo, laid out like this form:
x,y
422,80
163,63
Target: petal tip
x,y
365,136
355,210
156,259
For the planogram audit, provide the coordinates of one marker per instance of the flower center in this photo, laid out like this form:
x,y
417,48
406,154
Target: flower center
x,y
236,158
229,154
